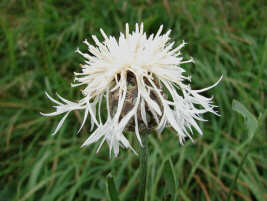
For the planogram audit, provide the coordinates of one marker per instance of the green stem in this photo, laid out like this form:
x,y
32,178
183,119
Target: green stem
x,y
143,155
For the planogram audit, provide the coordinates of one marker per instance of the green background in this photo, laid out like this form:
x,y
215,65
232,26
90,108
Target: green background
x,y
38,39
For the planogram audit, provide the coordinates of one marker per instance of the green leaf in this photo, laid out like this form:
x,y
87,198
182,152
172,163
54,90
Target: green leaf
x,y
36,170
251,121
236,176
252,125
170,179
111,188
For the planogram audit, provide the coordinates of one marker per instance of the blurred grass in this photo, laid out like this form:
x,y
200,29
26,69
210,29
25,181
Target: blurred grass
x,y
37,44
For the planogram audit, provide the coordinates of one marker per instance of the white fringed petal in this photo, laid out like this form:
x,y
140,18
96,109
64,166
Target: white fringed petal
x,y
156,64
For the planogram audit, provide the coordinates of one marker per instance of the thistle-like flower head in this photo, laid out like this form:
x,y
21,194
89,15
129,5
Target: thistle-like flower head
x,y
137,79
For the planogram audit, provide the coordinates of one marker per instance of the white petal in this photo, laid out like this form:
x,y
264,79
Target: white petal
x,y
143,112
52,99
60,123
210,87
98,133
159,31
84,119
64,100
103,34
137,130
127,31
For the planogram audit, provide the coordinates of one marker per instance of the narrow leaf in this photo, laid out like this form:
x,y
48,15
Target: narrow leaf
x,y
251,121
252,124
236,176
170,179
111,189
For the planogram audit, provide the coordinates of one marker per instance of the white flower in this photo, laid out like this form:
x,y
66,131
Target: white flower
x,y
155,64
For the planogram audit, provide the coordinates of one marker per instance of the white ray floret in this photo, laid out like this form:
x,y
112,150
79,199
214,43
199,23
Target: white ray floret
x,y
155,64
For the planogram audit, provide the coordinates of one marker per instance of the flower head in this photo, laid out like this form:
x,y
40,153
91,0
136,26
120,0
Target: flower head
x,y
130,76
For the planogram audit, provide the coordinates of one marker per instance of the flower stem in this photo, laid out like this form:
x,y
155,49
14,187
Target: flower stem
x,y
143,155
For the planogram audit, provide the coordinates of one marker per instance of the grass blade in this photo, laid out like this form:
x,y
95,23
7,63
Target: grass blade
x,y
143,155
236,176
111,188
252,125
251,121
169,175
